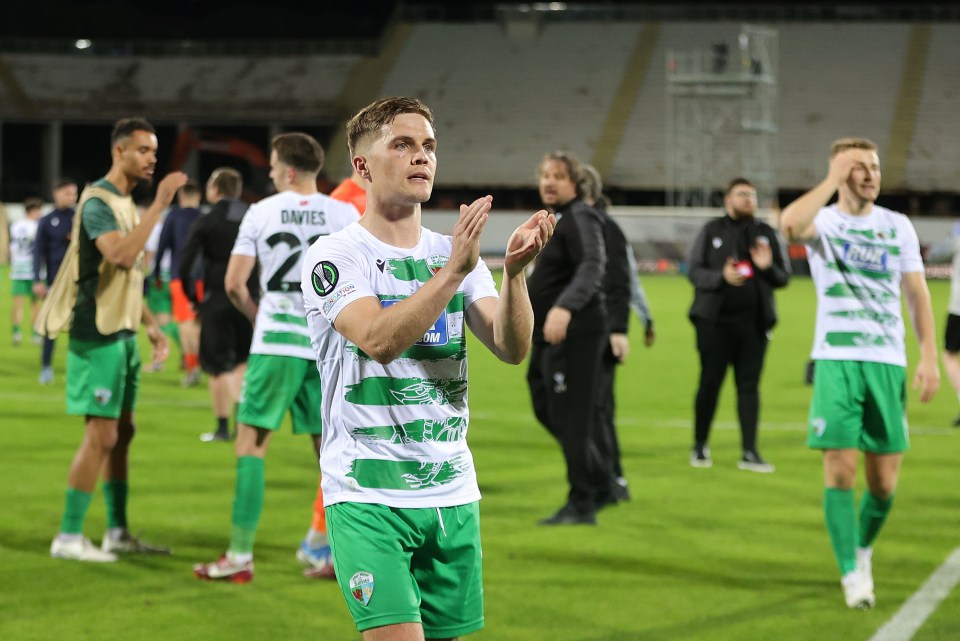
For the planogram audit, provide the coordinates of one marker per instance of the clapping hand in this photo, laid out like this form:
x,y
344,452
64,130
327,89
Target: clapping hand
x,y
527,241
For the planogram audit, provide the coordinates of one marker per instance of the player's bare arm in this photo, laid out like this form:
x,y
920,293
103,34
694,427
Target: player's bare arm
x,y
122,251
796,221
238,273
917,294
505,324
385,333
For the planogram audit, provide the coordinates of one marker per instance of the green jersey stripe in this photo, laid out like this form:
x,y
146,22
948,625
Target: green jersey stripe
x,y
299,321
386,390
857,339
407,269
285,338
407,475
843,290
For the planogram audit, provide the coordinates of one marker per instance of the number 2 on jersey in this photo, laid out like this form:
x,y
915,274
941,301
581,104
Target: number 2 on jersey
x,y
277,282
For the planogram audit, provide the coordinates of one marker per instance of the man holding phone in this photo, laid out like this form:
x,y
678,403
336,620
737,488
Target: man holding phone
x,y
735,263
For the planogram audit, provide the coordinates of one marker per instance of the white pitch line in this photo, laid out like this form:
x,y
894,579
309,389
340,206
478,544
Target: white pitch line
x,y
918,608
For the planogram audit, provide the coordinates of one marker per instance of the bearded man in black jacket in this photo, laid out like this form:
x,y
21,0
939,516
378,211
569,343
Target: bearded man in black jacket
x,y
735,264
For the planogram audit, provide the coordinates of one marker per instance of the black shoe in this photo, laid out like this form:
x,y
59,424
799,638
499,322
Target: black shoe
x,y
753,462
618,493
569,515
956,422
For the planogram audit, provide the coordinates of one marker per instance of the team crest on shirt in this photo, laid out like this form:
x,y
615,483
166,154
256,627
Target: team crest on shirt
x,y
324,277
436,262
361,587
102,395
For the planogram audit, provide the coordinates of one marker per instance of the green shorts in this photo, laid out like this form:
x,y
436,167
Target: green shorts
x,y
409,565
23,288
275,384
158,298
102,378
859,405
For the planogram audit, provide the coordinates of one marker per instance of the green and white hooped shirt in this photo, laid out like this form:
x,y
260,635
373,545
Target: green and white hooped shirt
x,y
277,231
857,264
23,235
393,434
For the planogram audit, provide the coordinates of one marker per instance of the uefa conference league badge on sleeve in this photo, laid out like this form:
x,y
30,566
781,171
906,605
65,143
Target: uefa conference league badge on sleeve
x,y
324,277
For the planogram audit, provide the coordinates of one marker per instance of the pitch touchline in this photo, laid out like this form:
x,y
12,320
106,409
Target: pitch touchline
x,y
918,608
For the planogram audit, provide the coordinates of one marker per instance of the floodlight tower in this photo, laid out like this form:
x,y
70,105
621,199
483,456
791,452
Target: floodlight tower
x,y
722,119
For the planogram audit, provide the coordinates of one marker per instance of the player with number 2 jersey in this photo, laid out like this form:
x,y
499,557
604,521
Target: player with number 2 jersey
x,y
278,230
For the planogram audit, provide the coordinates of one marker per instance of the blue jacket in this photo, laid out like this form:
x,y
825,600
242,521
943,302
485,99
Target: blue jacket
x,y
53,238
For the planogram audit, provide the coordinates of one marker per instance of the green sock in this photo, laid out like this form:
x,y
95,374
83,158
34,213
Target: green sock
x,y
841,516
873,512
247,503
115,494
16,329
75,511
173,332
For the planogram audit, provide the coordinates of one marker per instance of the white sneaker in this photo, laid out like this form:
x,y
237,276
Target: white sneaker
x,y
46,376
224,569
79,550
865,565
700,457
858,591
126,543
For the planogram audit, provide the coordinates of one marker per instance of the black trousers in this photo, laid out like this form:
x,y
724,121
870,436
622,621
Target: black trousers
x,y
605,430
742,345
563,387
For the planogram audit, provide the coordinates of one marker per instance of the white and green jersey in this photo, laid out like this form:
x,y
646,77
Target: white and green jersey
x,y
23,233
277,230
153,244
857,263
393,434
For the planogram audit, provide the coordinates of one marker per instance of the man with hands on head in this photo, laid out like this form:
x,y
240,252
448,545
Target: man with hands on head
x,y
863,257
735,263
387,302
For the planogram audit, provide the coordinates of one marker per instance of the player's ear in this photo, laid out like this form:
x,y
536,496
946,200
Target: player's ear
x,y
361,167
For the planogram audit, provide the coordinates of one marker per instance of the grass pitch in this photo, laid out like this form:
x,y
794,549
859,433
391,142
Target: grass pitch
x,y
716,554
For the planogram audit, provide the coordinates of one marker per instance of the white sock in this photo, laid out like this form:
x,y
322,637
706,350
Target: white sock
x,y
116,532
69,538
239,558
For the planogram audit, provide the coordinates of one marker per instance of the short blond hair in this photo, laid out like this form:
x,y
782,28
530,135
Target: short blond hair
x,y
851,143
368,121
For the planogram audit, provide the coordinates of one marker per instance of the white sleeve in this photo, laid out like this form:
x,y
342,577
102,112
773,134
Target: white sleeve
x,y
332,278
478,284
910,258
153,242
246,243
